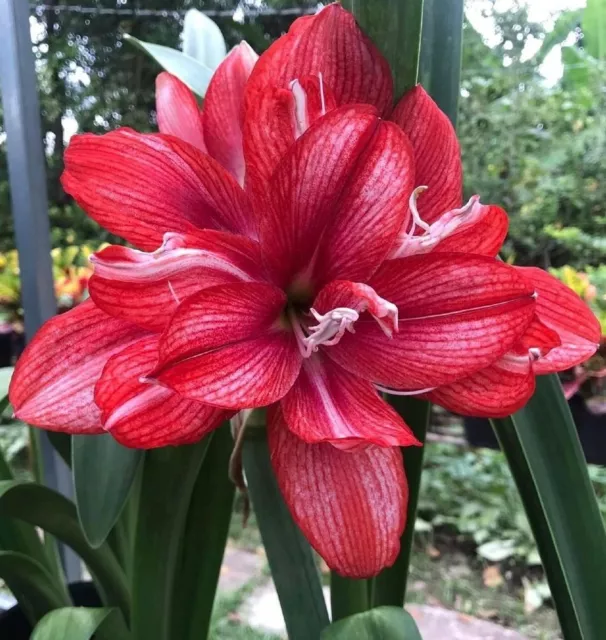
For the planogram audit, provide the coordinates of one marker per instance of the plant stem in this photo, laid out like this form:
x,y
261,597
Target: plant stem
x,y
390,584
347,596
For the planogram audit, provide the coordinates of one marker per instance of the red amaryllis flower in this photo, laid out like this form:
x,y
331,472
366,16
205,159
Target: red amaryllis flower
x,y
319,282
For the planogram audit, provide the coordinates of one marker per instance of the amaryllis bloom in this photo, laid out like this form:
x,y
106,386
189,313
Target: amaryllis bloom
x,y
301,246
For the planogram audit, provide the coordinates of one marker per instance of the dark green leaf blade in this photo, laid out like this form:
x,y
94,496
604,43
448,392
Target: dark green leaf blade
x,y
193,73
290,557
204,537
78,623
168,478
55,514
546,459
382,623
32,585
104,472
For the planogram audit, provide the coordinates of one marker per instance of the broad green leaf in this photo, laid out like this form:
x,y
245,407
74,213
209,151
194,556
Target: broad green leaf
x,y
543,451
395,27
62,444
497,550
566,22
594,29
4,402
104,472
5,378
167,482
441,50
194,74
79,623
290,557
578,68
33,586
205,536
55,514
382,623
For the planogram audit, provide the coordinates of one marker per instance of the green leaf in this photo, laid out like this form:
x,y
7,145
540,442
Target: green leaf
x,y
4,402
205,537
62,444
290,557
390,584
382,623
594,29
56,515
168,479
578,68
543,451
497,550
80,623
441,47
193,73
395,27
33,586
104,472
566,22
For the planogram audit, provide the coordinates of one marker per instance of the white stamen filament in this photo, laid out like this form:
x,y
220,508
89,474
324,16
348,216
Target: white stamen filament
x,y
329,330
172,293
300,97
322,94
395,392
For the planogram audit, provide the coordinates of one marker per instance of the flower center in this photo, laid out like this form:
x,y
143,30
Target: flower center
x,y
329,329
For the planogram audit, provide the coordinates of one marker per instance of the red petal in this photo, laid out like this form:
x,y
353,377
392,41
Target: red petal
x,y
221,315
52,385
372,208
177,111
351,506
140,186
250,373
328,404
494,392
225,347
146,288
562,310
475,228
306,187
275,118
330,43
223,109
145,416
458,314
437,153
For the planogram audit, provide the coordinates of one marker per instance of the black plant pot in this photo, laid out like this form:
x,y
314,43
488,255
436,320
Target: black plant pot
x,y
15,626
590,427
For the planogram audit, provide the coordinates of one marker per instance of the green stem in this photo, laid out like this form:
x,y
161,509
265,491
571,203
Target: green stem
x,y
390,584
395,27
348,597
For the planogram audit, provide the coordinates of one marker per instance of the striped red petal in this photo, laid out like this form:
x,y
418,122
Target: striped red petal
x,y
458,313
437,152
177,111
562,310
275,118
330,43
329,404
146,288
53,382
139,186
226,346
339,197
351,506
146,416
223,114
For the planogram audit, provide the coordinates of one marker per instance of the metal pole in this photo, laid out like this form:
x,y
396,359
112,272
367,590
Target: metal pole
x,y
27,175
